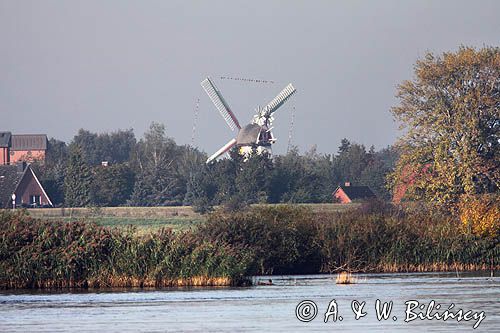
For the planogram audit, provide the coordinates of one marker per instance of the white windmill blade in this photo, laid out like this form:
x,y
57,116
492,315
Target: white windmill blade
x,y
221,151
220,103
279,100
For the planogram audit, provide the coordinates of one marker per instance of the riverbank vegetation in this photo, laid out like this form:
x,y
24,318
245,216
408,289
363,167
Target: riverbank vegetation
x,y
375,237
231,246
42,254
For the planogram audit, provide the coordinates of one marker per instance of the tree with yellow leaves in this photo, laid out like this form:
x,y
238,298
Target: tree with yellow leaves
x,y
480,215
450,112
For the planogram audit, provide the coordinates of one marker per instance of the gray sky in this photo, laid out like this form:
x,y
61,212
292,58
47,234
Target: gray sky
x,y
106,65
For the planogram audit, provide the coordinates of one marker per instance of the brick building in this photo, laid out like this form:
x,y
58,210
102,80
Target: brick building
x,y
20,179
22,147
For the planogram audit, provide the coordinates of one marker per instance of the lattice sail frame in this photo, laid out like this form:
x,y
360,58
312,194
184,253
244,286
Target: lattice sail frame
x,y
220,104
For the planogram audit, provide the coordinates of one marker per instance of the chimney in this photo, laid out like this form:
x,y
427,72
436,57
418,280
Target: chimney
x,y
21,166
347,184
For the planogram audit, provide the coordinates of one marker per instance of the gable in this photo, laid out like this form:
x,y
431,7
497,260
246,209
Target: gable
x,y
23,183
340,196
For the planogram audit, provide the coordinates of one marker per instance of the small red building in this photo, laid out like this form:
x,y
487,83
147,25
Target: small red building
x,y
20,180
347,193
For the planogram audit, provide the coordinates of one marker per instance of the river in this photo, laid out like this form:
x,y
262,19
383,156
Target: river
x,y
261,307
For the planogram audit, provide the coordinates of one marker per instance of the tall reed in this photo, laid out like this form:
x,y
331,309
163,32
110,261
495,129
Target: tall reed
x,y
374,238
40,254
229,247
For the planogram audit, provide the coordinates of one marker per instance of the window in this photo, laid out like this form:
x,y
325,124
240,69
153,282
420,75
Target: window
x,y
35,199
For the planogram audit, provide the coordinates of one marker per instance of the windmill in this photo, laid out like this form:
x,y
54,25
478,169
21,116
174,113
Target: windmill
x,y
258,133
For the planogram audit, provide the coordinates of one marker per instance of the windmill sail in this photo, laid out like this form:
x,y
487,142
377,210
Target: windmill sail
x,y
278,101
220,103
221,151
264,114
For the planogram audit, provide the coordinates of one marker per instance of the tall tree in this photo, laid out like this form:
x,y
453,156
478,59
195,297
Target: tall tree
x,y
155,160
77,183
253,178
114,147
350,162
112,185
450,112
86,142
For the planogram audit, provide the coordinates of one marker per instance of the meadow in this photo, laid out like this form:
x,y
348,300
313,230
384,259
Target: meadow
x,y
146,219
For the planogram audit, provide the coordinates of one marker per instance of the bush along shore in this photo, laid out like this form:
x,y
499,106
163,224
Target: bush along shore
x,y
230,247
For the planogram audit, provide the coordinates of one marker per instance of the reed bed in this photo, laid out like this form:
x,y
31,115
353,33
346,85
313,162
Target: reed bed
x,y
230,247
374,237
41,254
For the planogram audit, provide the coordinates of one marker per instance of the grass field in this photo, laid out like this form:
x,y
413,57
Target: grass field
x,y
142,224
143,218
147,218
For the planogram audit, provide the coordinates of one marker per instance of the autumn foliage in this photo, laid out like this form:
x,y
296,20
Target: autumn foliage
x,y
480,215
450,113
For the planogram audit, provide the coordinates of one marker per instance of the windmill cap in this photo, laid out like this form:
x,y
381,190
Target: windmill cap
x,y
248,135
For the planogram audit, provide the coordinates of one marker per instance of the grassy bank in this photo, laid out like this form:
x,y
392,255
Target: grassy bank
x,y
228,247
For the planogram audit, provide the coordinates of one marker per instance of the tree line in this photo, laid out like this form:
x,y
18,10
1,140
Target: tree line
x,y
449,152
156,171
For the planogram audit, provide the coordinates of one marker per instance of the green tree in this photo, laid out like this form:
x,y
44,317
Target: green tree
x,y
351,162
114,147
51,172
77,183
87,143
253,178
112,185
450,113
301,178
344,146
201,190
380,164
156,159
286,176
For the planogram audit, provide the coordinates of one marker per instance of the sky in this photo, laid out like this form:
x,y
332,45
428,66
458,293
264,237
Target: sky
x,y
109,65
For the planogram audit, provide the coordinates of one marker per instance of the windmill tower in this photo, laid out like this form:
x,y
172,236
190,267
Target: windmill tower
x,y
257,134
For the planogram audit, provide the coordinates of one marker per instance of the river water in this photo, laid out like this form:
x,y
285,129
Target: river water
x,y
261,307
